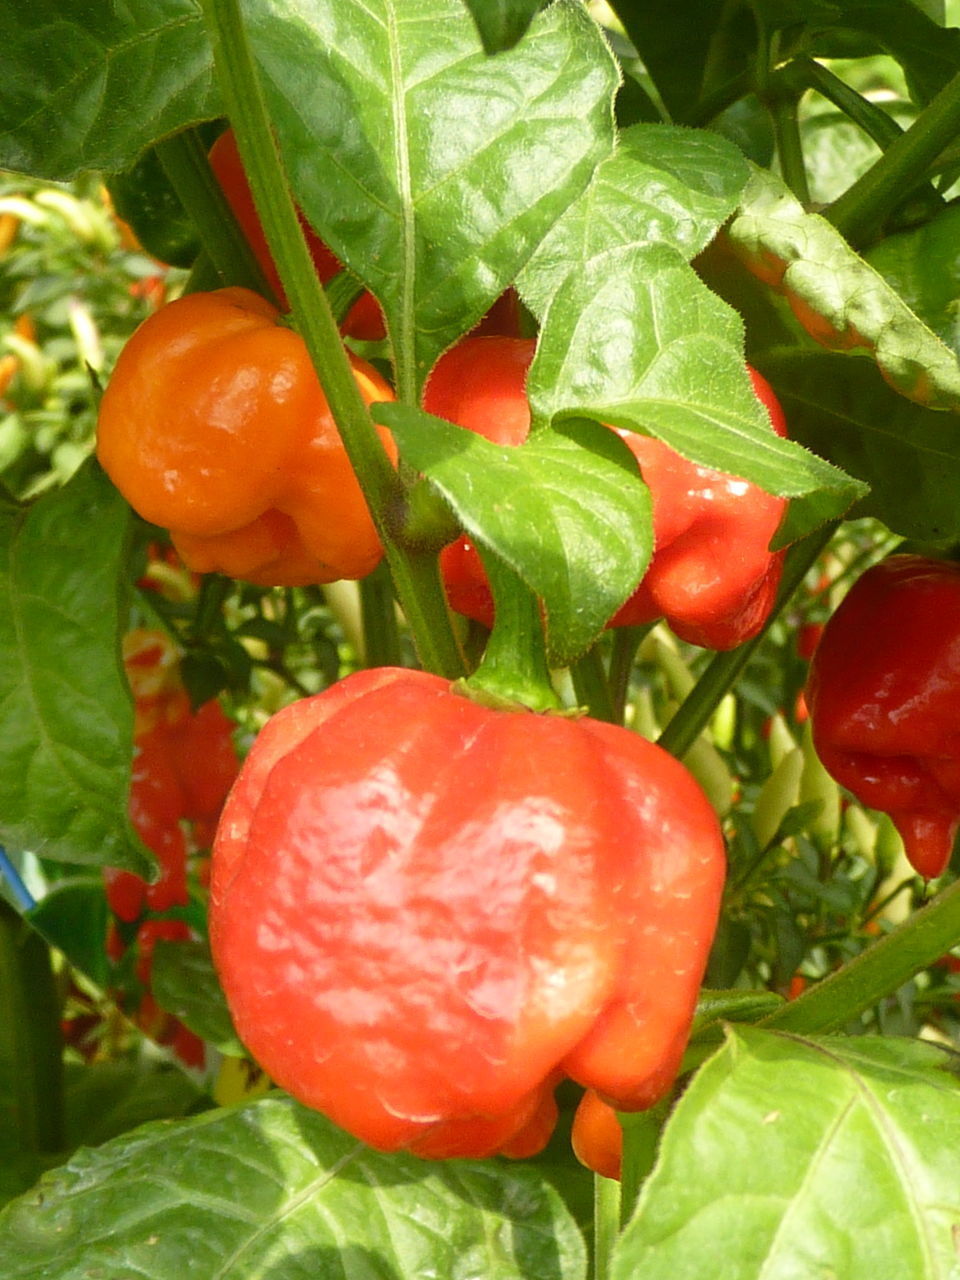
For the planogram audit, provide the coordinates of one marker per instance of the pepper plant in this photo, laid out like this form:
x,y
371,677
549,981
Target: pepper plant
x,y
464,328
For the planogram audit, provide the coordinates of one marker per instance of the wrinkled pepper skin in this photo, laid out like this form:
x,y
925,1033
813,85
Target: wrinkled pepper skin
x,y
884,700
215,427
364,319
711,577
425,912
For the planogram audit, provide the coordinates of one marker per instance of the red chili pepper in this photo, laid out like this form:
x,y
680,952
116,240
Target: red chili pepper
x,y
425,911
884,699
712,576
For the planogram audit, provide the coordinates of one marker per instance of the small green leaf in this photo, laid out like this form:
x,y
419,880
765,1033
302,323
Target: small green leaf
x,y
909,455
272,1189
89,87
184,982
66,715
662,184
104,1099
430,169
501,23
567,511
841,301
637,341
805,1157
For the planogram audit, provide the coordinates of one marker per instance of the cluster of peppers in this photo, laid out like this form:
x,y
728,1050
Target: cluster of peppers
x,y
426,912
184,764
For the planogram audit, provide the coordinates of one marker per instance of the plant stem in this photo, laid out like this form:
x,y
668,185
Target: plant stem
x,y
593,691
876,123
699,705
862,208
876,972
626,642
415,574
786,129
513,671
606,1224
641,1136
185,163
381,634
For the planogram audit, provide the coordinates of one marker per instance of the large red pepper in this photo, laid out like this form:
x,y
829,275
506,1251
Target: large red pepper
x,y
712,575
424,912
884,700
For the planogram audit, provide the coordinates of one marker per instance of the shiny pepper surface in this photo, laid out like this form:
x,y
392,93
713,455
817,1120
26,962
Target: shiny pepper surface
x,y
215,427
884,700
712,575
425,912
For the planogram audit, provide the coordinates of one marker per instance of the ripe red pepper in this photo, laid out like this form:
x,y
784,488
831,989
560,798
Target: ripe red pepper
x,y
884,699
424,912
712,575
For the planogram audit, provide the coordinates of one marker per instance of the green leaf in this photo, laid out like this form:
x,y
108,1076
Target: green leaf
x,y
841,301
106,1099
674,39
662,184
430,169
566,510
923,266
637,341
73,917
89,87
805,1158
909,455
184,982
272,1189
501,23
66,715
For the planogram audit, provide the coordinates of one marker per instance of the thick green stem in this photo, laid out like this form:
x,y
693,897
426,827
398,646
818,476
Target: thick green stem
x,y
184,160
513,672
31,1048
699,705
415,574
862,208
876,123
626,642
875,973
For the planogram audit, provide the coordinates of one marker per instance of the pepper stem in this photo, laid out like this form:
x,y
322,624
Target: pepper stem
x,y
513,672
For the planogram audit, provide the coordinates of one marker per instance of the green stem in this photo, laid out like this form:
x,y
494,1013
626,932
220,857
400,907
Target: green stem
x,y
626,642
699,705
875,973
513,671
592,690
415,574
380,631
184,159
876,123
862,208
786,130
31,1049
606,1224
641,1136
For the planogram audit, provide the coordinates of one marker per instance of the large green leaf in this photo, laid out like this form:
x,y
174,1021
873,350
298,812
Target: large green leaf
x,y
89,86
923,266
841,301
431,169
66,716
638,341
662,184
271,1189
792,1157
568,512
909,455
